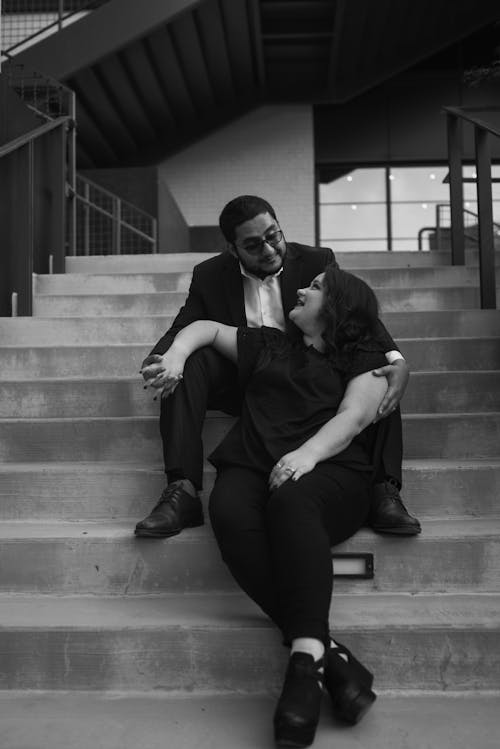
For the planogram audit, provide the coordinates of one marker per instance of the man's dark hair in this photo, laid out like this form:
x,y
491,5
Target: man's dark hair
x,y
239,210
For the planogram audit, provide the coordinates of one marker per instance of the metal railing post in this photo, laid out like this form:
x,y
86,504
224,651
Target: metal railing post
x,y
454,128
71,178
117,226
485,223
86,219
60,14
154,235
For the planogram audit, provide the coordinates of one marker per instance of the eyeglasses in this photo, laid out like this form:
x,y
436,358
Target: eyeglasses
x,y
256,246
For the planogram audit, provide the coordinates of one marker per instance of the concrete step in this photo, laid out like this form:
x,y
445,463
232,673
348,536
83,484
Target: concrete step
x,y
58,720
118,283
224,644
436,354
455,436
445,354
427,392
144,283
74,491
169,302
185,261
105,558
452,392
163,262
89,305
146,330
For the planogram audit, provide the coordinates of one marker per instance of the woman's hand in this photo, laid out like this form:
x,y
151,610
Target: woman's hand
x,y
291,466
397,375
164,372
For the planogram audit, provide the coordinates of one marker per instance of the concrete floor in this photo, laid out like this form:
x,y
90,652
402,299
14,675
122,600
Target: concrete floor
x,y
62,720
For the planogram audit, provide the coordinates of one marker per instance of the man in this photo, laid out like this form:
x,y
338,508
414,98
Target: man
x,y
253,283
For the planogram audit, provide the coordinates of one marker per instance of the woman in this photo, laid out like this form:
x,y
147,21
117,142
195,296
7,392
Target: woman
x,y
293,477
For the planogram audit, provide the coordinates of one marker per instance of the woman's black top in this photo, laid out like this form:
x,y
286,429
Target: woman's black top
x,y
291,391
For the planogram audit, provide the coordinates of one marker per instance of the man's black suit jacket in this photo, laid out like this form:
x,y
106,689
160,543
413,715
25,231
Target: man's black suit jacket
x,y
216,291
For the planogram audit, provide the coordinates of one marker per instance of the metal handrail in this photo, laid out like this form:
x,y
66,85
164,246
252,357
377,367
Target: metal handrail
x,y
459,112
115,216
23,140
439,223
109,215
456,116
112,195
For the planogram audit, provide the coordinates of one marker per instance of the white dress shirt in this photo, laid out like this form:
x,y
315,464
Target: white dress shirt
x,y
263,302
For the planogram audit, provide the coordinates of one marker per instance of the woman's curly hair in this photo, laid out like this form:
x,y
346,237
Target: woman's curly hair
x,y
350,310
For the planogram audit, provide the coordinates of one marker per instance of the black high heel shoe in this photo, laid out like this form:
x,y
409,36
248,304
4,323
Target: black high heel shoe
x,y
349,685
297,712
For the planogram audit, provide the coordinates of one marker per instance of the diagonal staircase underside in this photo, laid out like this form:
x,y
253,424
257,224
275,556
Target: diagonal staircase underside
x,y
152,77
154,636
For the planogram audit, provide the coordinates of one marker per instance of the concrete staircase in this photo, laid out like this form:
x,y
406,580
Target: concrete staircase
x,y
111,641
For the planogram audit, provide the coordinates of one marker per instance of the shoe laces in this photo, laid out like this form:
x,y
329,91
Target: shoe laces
x,y
392,492
170,495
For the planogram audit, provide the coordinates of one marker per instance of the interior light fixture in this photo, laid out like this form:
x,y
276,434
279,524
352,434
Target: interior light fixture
x,y
424,205
432,176
354,207
349,178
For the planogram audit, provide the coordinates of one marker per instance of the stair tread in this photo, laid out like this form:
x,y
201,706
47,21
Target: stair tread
x,y
432,528
94,378
110,466
156,720
356,611
114,345
222,415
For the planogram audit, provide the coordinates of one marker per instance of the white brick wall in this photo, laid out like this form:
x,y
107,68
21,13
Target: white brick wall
x,y
268,152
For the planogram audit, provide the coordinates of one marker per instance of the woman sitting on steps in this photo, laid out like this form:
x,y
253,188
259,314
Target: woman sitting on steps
x,y
293,478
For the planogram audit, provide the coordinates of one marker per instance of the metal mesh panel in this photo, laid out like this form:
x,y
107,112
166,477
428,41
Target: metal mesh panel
x,y
24,20
106,225
41,93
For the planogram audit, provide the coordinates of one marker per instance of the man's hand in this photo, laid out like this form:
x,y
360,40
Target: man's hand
x,y
397,375
163,372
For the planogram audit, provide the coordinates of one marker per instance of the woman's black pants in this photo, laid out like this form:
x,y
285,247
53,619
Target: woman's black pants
x,y
277,544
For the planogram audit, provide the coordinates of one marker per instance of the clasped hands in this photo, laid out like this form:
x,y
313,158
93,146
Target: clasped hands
x,y
163,372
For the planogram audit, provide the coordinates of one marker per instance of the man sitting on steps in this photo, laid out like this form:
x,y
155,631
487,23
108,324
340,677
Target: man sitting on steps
x,y
254,283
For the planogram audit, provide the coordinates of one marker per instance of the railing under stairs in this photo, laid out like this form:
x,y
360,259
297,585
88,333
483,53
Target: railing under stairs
x,y
456,118
106,224
47,211
37,161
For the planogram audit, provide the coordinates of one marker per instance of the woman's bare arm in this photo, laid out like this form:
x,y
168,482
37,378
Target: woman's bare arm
x,y
357,410
166,372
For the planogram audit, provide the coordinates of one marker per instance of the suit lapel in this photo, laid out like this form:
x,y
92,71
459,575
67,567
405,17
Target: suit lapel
x,y
233,284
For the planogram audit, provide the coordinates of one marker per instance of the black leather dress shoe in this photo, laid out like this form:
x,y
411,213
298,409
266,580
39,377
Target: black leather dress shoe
x,y
349,685
388,513
175,510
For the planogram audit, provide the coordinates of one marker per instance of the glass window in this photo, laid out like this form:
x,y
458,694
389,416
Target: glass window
x,y
353,211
